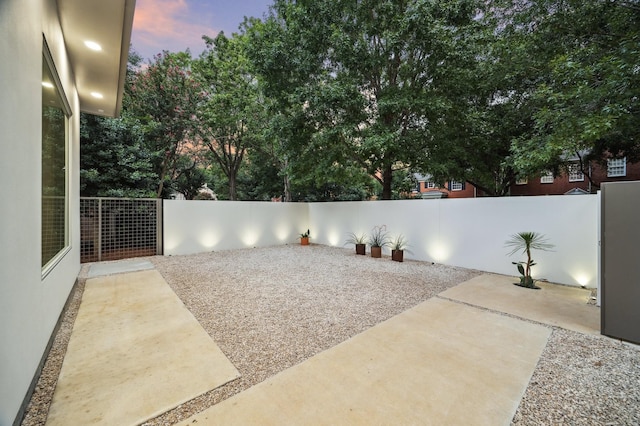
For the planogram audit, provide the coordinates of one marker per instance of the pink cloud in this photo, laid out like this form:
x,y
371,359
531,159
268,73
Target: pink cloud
x,y
169,25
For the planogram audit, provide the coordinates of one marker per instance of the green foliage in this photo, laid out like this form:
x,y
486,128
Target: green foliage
x,y
306,234
341,100
190,177
379,236
525,242
353,238
583,56
366,77
400,243
233,114
163,98
114,161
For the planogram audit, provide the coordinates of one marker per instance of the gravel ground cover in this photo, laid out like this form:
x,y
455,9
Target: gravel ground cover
x,y
271,308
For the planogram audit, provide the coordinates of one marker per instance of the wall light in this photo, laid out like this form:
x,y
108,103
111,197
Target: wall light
x,y
333,237
93,45
47,85
282,232
250,236
97,95
582,279
209,239
438,251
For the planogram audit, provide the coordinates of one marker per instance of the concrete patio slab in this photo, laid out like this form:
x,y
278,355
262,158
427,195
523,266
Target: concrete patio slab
x,y
557,305
438,363
118,267
135,352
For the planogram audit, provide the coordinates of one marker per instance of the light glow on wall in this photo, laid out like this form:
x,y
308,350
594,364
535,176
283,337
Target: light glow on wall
x,y
439,251
250,236
282,232
209,239
581,278
171,242
333,236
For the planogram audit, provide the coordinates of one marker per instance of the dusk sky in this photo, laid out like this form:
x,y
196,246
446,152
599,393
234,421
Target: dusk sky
x,y
175,25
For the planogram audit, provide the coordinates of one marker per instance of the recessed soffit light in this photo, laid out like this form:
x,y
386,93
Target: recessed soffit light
x,y
97,95
47,85
93,45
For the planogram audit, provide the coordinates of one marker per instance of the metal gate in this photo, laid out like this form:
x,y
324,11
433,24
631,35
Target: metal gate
x,y
119,228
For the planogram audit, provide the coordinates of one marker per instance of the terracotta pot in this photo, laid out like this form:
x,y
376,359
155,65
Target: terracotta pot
x,y
376,251
397,255
304,241
361,248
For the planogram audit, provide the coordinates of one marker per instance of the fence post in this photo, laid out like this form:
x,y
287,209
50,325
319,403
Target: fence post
x,y
99,229
159,227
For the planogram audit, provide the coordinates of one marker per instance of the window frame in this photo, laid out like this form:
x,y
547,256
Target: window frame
x,y
574,169
546,178
623,166
51,263
454,182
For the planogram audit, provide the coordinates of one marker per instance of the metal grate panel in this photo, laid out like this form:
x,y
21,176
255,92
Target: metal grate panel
x,y
119,228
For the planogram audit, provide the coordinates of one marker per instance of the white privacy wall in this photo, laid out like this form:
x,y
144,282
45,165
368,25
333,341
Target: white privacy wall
x,y
202,226
471,232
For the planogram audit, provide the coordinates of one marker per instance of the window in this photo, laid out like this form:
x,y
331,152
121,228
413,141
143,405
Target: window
x,y
429,185
575,174
55,209
456,186
546,177
617,167
522,181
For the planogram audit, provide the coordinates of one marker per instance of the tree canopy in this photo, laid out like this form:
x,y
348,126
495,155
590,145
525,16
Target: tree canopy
x,y
343,99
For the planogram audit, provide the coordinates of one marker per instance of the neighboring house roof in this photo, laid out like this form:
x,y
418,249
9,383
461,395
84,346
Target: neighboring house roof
x,y
576,191
108,23
422,178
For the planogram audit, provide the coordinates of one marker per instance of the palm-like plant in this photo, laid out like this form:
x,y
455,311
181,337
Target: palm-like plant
x,y
525,242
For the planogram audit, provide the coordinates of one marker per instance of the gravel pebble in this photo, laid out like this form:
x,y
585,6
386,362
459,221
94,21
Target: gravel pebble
x,y
271,308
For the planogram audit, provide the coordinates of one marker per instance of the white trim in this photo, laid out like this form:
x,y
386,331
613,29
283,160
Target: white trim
x,y
574,173
546,177
617,167
455,186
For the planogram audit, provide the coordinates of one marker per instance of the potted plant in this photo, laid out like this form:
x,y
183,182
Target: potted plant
x,y
527,241
398,247
304,238
360,242
378,239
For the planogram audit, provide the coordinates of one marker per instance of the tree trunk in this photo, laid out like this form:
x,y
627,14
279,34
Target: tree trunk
x,y
387,175
233,196
287,189
287,182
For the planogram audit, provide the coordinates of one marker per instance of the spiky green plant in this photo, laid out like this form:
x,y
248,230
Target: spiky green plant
x,y
400,243
353,238
525,242
379,236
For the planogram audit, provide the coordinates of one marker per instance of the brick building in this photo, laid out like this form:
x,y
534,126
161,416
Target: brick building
x,y
574,181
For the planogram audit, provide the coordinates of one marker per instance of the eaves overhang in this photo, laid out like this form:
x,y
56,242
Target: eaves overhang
x,y
99,74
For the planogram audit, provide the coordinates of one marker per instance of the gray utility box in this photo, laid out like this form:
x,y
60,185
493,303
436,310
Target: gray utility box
x,y
620,260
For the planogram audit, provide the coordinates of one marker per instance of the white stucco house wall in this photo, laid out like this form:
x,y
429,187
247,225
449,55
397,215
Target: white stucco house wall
x,y
48,75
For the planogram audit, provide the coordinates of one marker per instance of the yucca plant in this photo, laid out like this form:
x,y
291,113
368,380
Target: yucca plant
x,y
525,242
